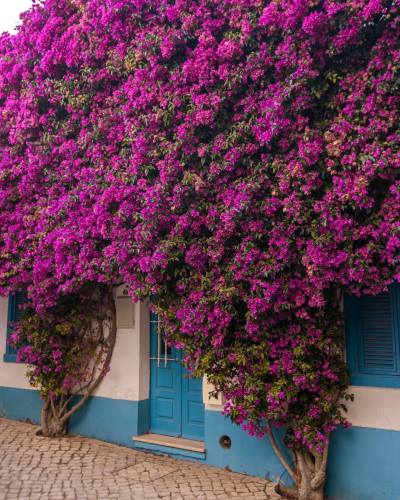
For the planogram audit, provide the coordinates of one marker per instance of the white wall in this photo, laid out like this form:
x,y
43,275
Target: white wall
x,y
374,407
129,377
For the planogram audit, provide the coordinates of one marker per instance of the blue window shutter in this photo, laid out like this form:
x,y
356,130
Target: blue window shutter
x,y
14,313
378,333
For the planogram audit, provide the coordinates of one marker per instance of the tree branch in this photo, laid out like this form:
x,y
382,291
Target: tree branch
x,y
280,454
45,408
320,473
53,409
111,344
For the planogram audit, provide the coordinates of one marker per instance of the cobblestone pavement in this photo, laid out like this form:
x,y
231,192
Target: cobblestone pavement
x,y
74,468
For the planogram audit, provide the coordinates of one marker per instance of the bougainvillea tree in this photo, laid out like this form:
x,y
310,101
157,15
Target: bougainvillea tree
x,y
238,158
268,178
68,349
58,141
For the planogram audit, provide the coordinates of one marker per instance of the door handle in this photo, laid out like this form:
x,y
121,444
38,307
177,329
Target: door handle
x,y
165,360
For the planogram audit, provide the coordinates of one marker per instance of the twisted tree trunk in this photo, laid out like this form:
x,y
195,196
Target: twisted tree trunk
x,y
313,474
52,425
310,472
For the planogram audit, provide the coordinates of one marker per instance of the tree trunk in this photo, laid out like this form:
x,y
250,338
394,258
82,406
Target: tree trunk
x,y
308,488
307,493
309,475
312,466
52,425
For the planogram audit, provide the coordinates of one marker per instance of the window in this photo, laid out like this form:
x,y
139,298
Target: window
x,y
373,338
14,313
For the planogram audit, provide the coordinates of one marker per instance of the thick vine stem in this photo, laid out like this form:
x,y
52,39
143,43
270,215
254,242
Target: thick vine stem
x,y
111,344
311,485
55,414
320,476
280,454
310,474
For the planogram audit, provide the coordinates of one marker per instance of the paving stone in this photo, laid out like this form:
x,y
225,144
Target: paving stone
x,y
77,468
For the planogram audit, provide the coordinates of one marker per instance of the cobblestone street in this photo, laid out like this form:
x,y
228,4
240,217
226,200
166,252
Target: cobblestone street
x,y
75,468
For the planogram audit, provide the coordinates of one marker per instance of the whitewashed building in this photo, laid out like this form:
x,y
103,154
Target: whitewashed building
x,y
145,402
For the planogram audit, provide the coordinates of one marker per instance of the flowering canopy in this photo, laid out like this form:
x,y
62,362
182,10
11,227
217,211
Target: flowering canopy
x,y
238,157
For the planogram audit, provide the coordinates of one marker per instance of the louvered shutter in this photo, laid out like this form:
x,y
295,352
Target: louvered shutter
x,y
378,342
14,314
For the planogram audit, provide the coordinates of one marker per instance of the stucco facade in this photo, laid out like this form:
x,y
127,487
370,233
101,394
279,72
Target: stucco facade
x,y
363,462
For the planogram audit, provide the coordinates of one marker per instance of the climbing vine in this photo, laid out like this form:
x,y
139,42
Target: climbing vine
x,y
68,349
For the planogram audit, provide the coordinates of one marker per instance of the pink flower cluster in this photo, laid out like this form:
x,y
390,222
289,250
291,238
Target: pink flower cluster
x,y
238,158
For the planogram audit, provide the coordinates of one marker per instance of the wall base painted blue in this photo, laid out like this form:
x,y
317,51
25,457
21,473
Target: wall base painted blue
x,y
112,420
364,464
248,454
20,404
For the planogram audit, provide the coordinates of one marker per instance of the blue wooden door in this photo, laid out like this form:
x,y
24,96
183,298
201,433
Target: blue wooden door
x,y
176,403
165,384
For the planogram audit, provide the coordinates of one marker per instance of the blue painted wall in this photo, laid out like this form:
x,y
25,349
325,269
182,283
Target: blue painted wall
x,y
248,454
20,404
112,420
364,464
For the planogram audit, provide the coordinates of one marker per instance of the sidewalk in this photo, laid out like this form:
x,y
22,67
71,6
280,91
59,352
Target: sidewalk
x,y
76,468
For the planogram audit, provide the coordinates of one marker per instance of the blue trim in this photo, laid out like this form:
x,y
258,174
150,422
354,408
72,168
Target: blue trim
x,y
363,464
112,420
247,454
354,356
10,358
24,405
167,450
390,381
13,313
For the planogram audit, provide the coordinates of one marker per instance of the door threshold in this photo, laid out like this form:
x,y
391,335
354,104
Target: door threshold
x,y
171,442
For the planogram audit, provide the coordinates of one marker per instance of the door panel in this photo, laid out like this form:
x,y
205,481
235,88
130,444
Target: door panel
x,y
196,413
165,408
165,379
192,408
